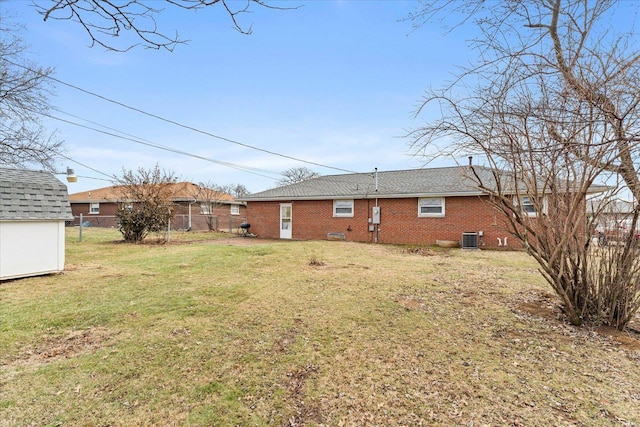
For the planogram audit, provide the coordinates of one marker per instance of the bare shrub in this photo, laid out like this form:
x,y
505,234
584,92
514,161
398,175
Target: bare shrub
x,y
553,110
146,205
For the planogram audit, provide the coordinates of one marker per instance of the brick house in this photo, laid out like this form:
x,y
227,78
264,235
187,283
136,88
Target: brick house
x,y
193,208
613,214
420,206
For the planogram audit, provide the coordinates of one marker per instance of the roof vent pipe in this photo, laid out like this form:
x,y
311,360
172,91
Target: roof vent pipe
x,y
376,169
470,161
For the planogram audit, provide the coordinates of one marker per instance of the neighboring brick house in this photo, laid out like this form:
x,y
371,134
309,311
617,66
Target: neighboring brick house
x,y
193,208
613,220
33,209
420,206
613,214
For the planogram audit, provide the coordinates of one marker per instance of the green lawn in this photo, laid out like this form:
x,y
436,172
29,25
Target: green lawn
x,y
205,332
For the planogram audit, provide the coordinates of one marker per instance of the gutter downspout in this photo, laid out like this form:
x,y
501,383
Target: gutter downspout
x,y
377,225
190,203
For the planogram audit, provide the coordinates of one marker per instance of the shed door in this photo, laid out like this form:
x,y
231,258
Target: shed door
x,y
285,220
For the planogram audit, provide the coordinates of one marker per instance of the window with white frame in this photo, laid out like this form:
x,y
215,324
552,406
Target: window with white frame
x,y
528,206
431,207
205,209
343,208
235,209
94,208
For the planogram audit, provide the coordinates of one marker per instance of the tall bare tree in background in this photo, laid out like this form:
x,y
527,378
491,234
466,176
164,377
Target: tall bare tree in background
x,y
211,196
109,22
236,190
24,95
296,174
553,109
146,202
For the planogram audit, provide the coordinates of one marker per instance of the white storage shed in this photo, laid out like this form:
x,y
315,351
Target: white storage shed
x,y
34,206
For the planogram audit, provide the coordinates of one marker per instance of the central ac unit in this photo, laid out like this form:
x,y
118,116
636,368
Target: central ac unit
x,y
469,240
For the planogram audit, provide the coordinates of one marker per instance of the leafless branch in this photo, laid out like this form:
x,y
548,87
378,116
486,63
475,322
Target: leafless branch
x,y
107,20
24,95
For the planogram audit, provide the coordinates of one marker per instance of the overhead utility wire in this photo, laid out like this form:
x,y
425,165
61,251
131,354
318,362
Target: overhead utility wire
x,y
178,123
113,178
150,144
58,153
167,148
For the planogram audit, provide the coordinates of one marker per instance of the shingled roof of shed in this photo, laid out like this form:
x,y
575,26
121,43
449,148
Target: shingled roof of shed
x,y
32,195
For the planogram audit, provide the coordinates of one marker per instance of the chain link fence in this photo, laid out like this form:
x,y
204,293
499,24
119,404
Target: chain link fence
x,y
230,224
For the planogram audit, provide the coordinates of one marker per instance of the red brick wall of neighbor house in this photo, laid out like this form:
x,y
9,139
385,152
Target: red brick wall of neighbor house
x,y
400,223
225,220
106,217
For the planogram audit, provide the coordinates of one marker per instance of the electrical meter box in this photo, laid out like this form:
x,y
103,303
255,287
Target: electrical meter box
x,y
375,215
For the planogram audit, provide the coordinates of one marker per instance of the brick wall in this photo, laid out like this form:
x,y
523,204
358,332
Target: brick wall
x,y
221,216
264,218
399,223
105,218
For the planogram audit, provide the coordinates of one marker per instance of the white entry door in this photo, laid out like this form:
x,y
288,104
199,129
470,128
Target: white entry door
x,y
285,220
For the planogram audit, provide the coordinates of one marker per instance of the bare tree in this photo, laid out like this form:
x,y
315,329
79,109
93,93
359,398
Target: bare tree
x,y
297,174
237,190
211,196
24,96
554,109
104,21
146,202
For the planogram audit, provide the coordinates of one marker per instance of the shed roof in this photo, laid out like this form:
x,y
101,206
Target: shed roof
x,y
32,195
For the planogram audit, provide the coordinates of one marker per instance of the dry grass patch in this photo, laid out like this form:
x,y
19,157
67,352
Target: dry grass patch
x,y
228,335
51,348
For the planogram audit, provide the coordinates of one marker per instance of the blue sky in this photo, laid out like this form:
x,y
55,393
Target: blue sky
x,y
333,82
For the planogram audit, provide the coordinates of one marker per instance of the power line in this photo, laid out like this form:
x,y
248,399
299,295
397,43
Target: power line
x,y
113,178
143,141
104,98
154,145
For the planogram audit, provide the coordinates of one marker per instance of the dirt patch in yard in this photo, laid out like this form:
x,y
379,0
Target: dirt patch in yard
x,y
628,339
418,250
54,347
546,306
540,304
305,410
410,302
287,338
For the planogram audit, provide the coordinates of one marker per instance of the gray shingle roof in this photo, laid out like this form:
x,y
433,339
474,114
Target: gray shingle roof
x,y
32,195
448,181
433,182
611,206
